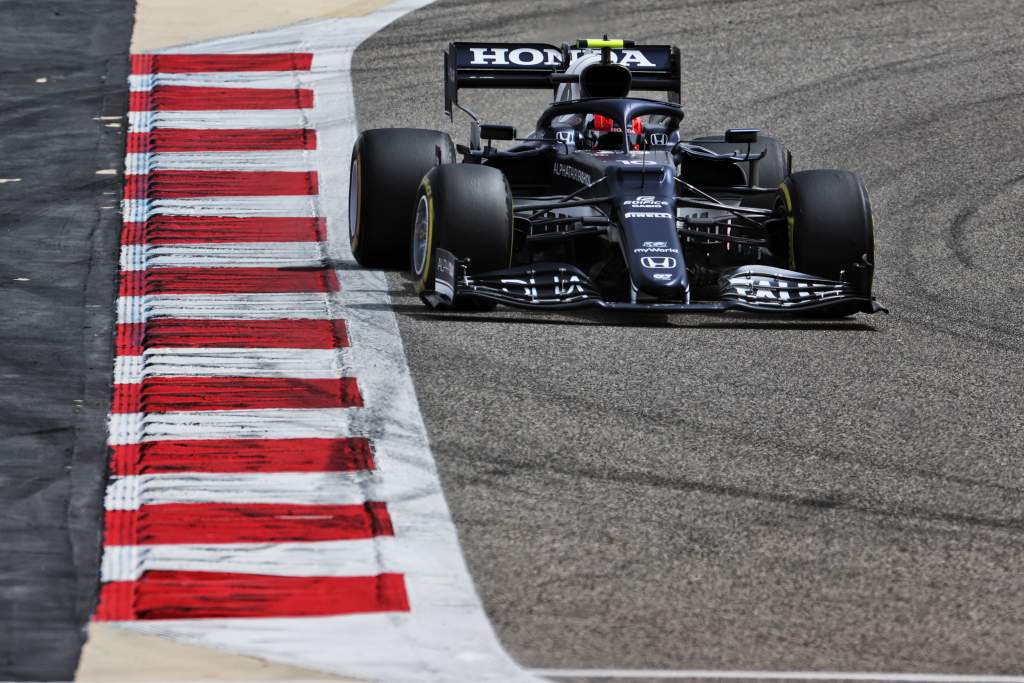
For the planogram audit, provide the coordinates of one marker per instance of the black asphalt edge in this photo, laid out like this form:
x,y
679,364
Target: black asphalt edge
x,y
65,66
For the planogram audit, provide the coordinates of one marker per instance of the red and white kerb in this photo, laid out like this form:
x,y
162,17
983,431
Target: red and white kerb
x,y
240,485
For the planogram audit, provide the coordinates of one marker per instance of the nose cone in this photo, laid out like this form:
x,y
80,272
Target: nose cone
x,y
652,246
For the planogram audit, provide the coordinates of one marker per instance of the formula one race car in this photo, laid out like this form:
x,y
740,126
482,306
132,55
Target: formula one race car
x,y
603,205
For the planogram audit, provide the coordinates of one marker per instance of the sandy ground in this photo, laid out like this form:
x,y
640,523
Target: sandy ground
x,y
160,24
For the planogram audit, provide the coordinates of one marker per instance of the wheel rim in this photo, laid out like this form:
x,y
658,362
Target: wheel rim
x,y
353,198
420,237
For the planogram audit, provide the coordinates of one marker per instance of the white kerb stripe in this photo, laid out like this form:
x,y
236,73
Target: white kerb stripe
x,y
145,121
301,306
224,255
288,206
281,80
268,423
301,488
246,362
358,557
282,160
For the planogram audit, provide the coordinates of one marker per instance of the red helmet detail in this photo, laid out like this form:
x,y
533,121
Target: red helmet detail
x,y
638,126
603,123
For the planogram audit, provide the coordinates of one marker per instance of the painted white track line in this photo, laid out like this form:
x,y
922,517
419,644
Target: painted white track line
x,y
144,121
242,207
310,488
235,255
324,558
298,363
285,160
714,674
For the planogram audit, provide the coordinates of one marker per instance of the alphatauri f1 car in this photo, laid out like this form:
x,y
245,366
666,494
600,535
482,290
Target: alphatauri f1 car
x,y
603,204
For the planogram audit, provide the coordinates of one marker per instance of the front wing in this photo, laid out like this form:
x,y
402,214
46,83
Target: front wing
x,y
552,286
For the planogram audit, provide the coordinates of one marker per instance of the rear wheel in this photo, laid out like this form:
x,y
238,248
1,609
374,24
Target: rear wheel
x,y
387,166
831,227
465,209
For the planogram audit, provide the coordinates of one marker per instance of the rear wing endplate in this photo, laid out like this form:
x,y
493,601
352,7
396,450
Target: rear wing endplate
x,y
531,65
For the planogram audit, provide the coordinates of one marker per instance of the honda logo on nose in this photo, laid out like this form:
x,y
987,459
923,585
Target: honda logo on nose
x,y
655,262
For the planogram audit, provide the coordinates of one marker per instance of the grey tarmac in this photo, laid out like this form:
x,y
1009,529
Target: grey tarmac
x,y
741,492
63,94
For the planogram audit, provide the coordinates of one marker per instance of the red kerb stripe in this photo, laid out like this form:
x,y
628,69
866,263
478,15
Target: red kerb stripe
x,y
227,281
186,184
253,523
231,334
147,64
129,339
214,140
163,229
173,394
243,455
189,98
212,595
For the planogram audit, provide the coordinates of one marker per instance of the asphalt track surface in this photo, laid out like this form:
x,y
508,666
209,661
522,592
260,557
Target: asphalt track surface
x,y
754,493
63,64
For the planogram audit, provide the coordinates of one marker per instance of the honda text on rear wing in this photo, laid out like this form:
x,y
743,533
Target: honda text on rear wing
x,y
541,66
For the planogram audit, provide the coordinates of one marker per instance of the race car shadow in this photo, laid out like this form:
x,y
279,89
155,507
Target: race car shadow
x,y
601,319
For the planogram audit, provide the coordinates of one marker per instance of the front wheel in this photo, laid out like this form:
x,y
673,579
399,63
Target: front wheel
x,y
465,209
831,227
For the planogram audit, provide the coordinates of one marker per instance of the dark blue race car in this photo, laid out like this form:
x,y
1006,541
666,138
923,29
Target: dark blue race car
x,y
603,204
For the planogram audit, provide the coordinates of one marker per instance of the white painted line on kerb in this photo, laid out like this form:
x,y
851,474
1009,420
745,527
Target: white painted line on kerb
x,y
145,121
715,674
292,206
305,306
227,255
299,488
205,362
362,557
278,160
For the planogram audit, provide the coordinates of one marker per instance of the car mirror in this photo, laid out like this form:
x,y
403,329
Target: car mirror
x,y
493,131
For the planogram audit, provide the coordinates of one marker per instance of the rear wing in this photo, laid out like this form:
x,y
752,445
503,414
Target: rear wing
x,y
532,65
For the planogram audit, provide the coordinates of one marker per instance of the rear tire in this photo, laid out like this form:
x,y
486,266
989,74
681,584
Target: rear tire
x,y
387,166
465,209
831,227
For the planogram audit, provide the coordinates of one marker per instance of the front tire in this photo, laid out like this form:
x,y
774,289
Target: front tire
x,y
465,209
387,166
831,226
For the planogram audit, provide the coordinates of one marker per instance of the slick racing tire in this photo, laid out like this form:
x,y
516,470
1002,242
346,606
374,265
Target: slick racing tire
x,y
387,166
831,227
465,209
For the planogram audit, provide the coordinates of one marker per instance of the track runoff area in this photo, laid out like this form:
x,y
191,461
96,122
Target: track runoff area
x,y
272,490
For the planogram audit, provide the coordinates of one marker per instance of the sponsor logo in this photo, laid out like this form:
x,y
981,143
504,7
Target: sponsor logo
x,y
662,276
657,138
566,136
648,214
658,262
572,173
560,286
655,248
778,290
548,57
645,201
